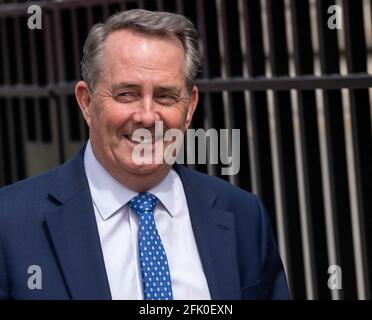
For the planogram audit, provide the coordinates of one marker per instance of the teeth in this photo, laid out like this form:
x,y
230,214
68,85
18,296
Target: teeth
x,y
142,141
131,139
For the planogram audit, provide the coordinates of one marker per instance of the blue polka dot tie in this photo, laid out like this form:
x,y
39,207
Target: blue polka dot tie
x,y
154,265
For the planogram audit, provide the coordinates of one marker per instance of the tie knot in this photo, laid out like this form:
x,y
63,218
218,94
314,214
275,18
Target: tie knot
x,y
143,202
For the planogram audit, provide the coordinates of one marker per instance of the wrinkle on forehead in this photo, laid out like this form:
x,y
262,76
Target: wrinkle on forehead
x,y
134,50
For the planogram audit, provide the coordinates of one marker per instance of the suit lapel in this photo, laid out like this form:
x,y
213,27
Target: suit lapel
x,y
73,234
215,237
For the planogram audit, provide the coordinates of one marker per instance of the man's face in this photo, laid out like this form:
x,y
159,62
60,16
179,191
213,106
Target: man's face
x,y
142,81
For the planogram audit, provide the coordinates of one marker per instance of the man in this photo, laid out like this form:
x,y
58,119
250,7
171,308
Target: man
x,y
104,226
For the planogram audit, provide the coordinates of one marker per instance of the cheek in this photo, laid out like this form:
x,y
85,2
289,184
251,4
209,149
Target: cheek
x,y
175,118
110,118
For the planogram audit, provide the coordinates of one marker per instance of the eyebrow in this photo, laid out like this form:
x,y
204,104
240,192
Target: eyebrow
x,y
122,85
168,88
130,85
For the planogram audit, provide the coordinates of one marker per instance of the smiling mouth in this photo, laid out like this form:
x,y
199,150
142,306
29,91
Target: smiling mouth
x,y
142,141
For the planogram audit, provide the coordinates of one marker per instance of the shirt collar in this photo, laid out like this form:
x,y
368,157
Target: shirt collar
x,y
109,195
165,190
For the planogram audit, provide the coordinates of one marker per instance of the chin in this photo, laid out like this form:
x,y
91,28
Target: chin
x,y
143,169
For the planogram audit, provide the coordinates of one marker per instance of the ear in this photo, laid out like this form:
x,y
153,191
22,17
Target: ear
x,y
192,106
83,97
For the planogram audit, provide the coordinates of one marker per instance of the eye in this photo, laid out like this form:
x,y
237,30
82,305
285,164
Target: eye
x,y
127,96
167,99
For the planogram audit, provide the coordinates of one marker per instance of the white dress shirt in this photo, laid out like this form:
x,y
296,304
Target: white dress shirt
x,y
118,227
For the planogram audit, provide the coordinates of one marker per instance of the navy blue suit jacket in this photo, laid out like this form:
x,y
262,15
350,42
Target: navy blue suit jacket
x,y
48,221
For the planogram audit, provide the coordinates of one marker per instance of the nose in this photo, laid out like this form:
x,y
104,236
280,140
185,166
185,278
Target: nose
x,y
146,114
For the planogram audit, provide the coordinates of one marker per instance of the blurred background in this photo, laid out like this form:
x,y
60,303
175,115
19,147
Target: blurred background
x,y
299,90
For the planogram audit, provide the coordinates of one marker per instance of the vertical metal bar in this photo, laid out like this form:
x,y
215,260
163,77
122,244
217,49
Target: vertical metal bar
x,y
370,103
367,11
180,6
4,49
38,123
82,131
2,103
62,110
354,170
141,4
302,170
370,55
75,43
50,66
23,124
105,11
51,78
250,108
355,195
2,154
8,105
34,80
225,72
123,5
90,16
34,70
190,154
304,197
18,51
276,152
12,141
279,186
208,113
315,37
160,5
326,155
330,211
368,29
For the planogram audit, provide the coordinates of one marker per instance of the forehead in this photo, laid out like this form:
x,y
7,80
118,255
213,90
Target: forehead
x,y
133,56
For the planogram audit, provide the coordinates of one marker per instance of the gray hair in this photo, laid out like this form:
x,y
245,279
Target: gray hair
x,y
146,22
